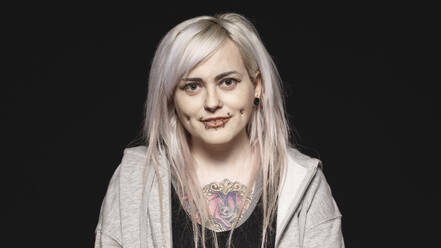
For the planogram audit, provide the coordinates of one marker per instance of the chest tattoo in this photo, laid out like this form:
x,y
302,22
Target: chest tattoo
x,y
225,199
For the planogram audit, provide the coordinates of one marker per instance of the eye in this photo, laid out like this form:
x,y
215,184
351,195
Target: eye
x,y
229,83
191,87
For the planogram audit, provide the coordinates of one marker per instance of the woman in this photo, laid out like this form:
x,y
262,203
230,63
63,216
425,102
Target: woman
x,y
217,168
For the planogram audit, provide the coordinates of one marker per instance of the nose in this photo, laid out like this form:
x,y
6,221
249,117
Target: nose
x,y
212,101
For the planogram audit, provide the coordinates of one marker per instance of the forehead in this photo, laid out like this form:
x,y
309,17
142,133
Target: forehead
x,y
226,58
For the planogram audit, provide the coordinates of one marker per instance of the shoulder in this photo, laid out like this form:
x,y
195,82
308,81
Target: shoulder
x,y
134,154
318,200
136,150
298,166
132,169
133,161
299,159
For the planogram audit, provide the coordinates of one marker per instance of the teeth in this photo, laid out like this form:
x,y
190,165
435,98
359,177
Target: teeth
x,y
215,122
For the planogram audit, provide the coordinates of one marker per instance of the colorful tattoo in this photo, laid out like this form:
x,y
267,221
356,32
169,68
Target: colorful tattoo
x,y
225,199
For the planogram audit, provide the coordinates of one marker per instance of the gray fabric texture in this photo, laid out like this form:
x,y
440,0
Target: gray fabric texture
x,y
130,214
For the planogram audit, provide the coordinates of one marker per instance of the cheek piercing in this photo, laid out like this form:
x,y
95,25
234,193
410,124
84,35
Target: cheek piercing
x,y
242,111
229,115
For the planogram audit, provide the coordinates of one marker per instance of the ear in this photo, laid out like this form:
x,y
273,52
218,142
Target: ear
x,y
257,81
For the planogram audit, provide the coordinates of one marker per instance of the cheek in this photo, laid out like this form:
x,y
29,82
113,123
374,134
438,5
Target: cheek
x,y
243,101
183,114
187,108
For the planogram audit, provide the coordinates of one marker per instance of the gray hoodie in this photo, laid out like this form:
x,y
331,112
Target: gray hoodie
x,y
307,214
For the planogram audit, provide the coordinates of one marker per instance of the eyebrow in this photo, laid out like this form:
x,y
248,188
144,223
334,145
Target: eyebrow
x,y
222,75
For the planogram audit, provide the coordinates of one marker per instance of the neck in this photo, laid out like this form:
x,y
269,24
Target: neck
x,y
222,159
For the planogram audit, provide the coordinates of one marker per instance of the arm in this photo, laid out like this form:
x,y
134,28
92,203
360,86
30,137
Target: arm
x,y
327,234
106,232
323,220
103,240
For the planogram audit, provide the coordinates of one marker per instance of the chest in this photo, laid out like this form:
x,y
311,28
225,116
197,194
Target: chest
x,y
247,234
226,201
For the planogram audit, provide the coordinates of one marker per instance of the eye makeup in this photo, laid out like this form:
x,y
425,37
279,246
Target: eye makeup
x,y
192,86
233,83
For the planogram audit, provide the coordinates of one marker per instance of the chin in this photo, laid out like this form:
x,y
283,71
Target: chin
x,y
216,139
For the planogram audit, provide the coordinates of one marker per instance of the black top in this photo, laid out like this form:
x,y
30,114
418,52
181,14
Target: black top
x,y
248,234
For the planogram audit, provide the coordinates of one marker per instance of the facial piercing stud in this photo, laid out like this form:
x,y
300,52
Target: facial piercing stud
x,y
256,101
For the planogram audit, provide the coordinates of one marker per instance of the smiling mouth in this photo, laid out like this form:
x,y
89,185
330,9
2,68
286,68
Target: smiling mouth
x,y
215,123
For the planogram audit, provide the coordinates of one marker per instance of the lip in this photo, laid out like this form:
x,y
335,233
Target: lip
x,y
215,122
215,118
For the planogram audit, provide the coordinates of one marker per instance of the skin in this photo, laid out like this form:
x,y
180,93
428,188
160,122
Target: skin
x,y
224,152
225,200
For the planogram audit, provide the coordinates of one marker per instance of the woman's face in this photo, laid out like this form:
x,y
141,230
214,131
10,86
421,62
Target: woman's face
x,y
214,100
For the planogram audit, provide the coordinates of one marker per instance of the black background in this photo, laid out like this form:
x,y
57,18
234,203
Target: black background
x,y
361,95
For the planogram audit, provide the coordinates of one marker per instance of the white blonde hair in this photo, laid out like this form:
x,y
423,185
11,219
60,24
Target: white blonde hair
x,y
181,49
